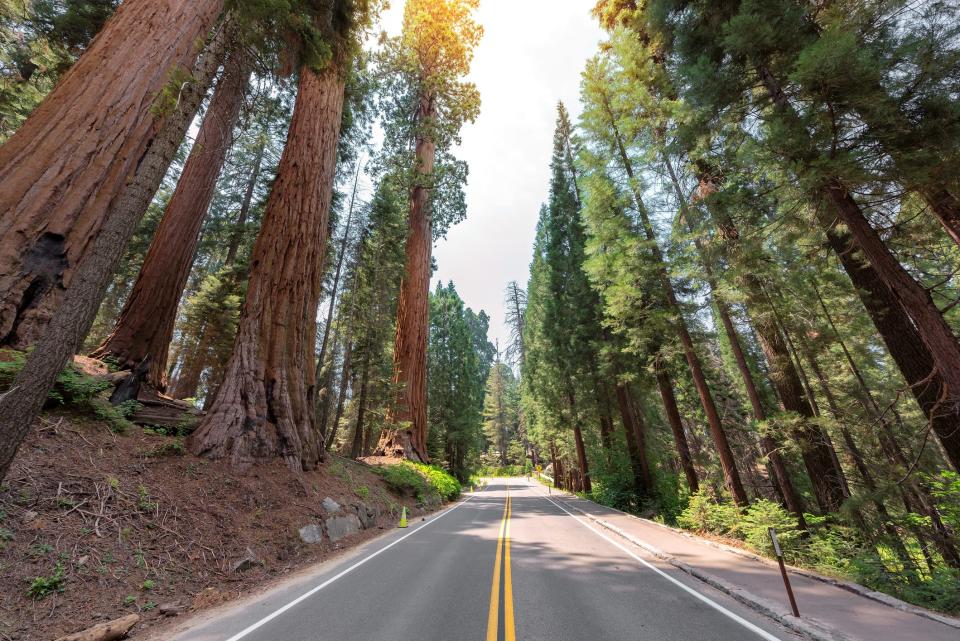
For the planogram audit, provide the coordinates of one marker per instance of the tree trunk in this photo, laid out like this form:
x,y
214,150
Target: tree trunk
x,y
606,422
191,367
902,339
670,408
335,286
636,442
63,336
145,327
357,448
66,167
902,290
769,446
341,392
262,409
585,483
720,441
239,226
911,295
408,413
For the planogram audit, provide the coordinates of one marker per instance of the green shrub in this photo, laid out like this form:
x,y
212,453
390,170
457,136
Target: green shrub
x,y
115,416
607,491
704,514
174,447
759,518
43,585
945,488
76,390
439,481
424,481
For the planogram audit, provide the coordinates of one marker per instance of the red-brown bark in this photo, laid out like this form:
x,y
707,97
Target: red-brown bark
x,y
912,296
671,305
584,476
633,431
73,156
144,328
408,413
902,339
665,386
263,407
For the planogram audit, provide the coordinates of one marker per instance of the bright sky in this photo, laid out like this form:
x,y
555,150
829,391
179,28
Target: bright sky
x,y
530,57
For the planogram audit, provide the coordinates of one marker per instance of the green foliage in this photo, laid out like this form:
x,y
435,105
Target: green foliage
x,y
439,481
362,491
426,482
144,503
43,586
459,354
762,515
174,447
705,514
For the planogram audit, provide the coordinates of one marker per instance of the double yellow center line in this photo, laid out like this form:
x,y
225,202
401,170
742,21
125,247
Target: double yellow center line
x,y
503,558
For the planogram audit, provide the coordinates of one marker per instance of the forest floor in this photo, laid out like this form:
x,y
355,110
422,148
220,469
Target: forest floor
x,y
95,525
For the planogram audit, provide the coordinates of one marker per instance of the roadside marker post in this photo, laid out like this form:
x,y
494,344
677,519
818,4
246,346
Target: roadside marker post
x,y
403,517
783,570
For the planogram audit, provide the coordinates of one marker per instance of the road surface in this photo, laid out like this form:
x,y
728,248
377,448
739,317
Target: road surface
x,y
505,563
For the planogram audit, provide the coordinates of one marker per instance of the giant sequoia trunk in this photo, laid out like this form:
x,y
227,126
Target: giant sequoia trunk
x,y
71,159
63,335
912,296
145,327
263,407
584,471
408,413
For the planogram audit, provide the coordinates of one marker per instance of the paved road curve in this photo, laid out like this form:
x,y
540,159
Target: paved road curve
x,y
506,563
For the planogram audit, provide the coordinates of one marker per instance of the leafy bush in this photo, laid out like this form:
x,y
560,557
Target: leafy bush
x,y
704,514
424,481
607,491
502,470
759,518
439,481
75,389
945,488
43,585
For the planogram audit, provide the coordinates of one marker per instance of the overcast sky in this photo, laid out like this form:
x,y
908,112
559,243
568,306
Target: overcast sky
x,y
530,57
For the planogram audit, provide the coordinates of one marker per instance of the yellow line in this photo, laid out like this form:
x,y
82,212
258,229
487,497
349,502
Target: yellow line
x,y
493,617
509,633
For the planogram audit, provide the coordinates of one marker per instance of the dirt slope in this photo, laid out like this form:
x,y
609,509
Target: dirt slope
x,y
117,524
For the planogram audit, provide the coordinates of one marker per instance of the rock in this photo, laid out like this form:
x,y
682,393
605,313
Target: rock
x,y
83,560
170,609
330,505
29,515
110,631
368,515
247,562
341,526
311,533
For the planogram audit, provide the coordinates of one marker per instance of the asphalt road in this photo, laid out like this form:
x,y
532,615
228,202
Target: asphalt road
x,y
505,563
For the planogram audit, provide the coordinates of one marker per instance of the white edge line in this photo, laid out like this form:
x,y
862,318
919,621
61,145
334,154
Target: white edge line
x,y
713,604
306,595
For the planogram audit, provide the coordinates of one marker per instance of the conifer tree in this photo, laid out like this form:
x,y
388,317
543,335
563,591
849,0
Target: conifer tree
x,y
430,103
263,409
